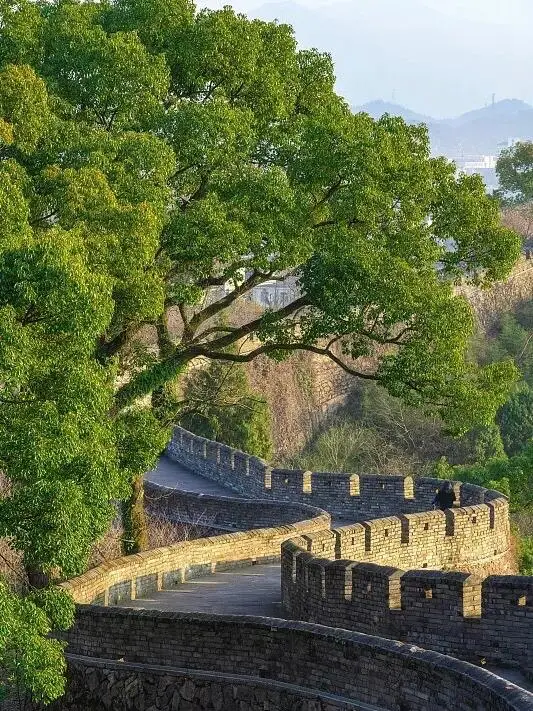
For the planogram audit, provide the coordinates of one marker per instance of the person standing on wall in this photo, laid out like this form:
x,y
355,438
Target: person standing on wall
x,y
445,497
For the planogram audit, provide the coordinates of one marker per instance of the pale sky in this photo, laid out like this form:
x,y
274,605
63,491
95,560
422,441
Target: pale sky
x,y
438,57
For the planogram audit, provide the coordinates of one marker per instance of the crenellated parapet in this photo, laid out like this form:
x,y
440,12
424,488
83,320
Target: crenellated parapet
x,y
354,497
398,571
335,579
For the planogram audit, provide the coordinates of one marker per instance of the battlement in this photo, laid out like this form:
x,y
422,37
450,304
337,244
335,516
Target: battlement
x,y
453,612
345,495
400,571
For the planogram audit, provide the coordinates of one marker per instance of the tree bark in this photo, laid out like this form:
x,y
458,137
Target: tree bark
x,y
135,537
37,579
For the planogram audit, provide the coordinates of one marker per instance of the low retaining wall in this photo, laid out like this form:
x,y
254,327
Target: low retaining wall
x,y
223,512
347,665
143,686
139,575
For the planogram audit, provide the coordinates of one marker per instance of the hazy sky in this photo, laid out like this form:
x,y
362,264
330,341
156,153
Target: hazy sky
x,y
438,57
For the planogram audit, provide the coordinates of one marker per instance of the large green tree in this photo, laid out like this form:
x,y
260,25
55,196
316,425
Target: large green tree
x,y
151,156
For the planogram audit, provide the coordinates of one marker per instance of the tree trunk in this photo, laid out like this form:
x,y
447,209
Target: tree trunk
x,y
36,578
135,537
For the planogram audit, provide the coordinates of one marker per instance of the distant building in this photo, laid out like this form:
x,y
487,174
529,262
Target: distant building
x,y
275,294
484,165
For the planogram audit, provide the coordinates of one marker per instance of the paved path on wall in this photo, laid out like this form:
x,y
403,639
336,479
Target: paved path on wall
x,y
173,475
253,590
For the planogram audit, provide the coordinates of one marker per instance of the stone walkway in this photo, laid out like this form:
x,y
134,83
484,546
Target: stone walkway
x,y
253,590
174,476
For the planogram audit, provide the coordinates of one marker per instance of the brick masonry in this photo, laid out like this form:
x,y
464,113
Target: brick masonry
x,y
400,571
162,656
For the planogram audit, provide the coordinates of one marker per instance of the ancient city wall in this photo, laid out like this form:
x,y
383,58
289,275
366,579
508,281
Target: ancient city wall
x,y
474,537
283,663
139,575
348,577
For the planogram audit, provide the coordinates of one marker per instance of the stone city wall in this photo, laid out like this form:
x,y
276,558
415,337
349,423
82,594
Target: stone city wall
x,y
451,612
273,664
135,659
139,575
474,537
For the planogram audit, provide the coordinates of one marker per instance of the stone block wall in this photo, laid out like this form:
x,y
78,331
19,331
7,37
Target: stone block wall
x,y
223,512
391,572
345,495
144,573
273,664
99,685
452,612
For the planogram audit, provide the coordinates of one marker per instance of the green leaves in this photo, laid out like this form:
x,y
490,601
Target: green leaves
x,y
109,79
219,404
29,659
515,173
23,107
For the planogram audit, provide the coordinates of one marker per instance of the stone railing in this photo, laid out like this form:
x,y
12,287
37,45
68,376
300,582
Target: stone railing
x,y
165,660
139,575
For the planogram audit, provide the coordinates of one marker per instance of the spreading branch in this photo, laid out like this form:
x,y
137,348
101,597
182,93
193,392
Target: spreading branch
x,y
273,347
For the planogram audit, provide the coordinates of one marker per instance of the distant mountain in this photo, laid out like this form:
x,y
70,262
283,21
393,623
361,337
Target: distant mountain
x,y
376,109
480,132
502,110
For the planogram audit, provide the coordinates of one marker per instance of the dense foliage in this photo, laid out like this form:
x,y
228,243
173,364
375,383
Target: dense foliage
x,y
219,404
150,155
515,173
29,660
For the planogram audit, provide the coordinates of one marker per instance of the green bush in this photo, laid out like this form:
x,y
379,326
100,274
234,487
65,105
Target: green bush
x,y
525,555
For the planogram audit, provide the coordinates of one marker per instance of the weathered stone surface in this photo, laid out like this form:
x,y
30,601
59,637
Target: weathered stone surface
x,y
350,577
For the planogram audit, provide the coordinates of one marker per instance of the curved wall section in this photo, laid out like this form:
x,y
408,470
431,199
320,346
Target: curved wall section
x,y
224,512
451,612
474,536
349,666
135,576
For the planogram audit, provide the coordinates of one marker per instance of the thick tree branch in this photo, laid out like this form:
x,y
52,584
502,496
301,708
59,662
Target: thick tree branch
x,y
214,329
330,191
254,279
252,326
272,347
168,368
108,349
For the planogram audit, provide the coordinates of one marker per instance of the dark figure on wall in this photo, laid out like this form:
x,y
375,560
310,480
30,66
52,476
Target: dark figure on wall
x,y
445,497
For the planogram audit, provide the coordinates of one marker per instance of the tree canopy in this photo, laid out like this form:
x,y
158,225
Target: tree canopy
x,y
152,156
154,153
515,173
